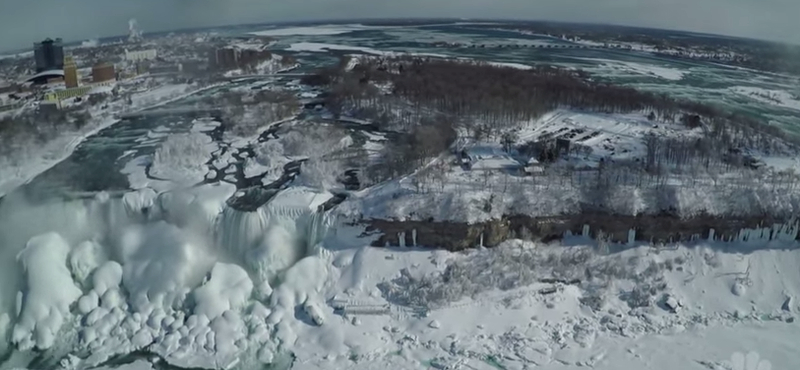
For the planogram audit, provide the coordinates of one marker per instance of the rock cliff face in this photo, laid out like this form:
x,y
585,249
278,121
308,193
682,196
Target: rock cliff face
x,y
662,228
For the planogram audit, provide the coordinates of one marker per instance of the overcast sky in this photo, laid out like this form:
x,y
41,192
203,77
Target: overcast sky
x,y
23,22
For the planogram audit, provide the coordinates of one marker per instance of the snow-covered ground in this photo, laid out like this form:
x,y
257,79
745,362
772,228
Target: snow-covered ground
x,y
615,136
203,301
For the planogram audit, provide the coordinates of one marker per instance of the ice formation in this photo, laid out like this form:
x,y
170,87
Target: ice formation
x,y
172,271
229,288
48,293
184,275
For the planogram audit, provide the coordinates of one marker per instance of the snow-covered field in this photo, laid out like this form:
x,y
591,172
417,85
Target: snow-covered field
x,y
616,136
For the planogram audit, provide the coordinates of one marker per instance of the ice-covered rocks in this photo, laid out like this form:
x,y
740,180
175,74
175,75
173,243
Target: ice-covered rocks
x,y
138,203
88,302
108,276
229,288
49,292
84,259
160,264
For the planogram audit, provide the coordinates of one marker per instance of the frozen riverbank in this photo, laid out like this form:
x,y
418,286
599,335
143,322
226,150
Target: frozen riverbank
x,y
18,171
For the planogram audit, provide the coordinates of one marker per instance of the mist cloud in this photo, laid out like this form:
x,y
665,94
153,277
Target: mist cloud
x,y
23,22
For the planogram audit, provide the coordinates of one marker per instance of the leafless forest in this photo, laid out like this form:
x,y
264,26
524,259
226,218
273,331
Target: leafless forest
x,y
434,102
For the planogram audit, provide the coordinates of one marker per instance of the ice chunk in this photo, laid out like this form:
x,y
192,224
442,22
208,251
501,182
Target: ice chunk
x,y
228,289
84,259
228,330
111,298
49,293
263,291
160,265
279,251
108,276
306,278
738,289
88,302
139,202
259,311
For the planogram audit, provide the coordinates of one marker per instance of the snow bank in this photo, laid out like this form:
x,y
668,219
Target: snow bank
x,y
48,294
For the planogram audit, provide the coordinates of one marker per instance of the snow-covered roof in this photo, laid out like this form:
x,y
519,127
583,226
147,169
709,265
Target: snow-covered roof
x,y
49,73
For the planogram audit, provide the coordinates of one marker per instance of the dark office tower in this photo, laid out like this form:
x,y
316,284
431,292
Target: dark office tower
x,y
49,55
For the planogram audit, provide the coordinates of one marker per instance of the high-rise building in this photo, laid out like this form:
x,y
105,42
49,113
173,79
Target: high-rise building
x,y
103,72
70,73
49,55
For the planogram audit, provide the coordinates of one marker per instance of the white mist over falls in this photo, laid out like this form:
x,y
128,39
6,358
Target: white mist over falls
x,y
171,271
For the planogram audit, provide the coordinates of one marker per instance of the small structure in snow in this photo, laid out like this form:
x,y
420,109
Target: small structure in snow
x,y
533,167
672,303
487,158
315,313
434,325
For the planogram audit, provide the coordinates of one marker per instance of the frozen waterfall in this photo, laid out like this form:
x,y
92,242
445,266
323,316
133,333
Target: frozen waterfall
x,y
155,251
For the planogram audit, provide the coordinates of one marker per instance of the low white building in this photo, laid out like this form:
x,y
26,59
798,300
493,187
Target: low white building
x,y
140,55
486,157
